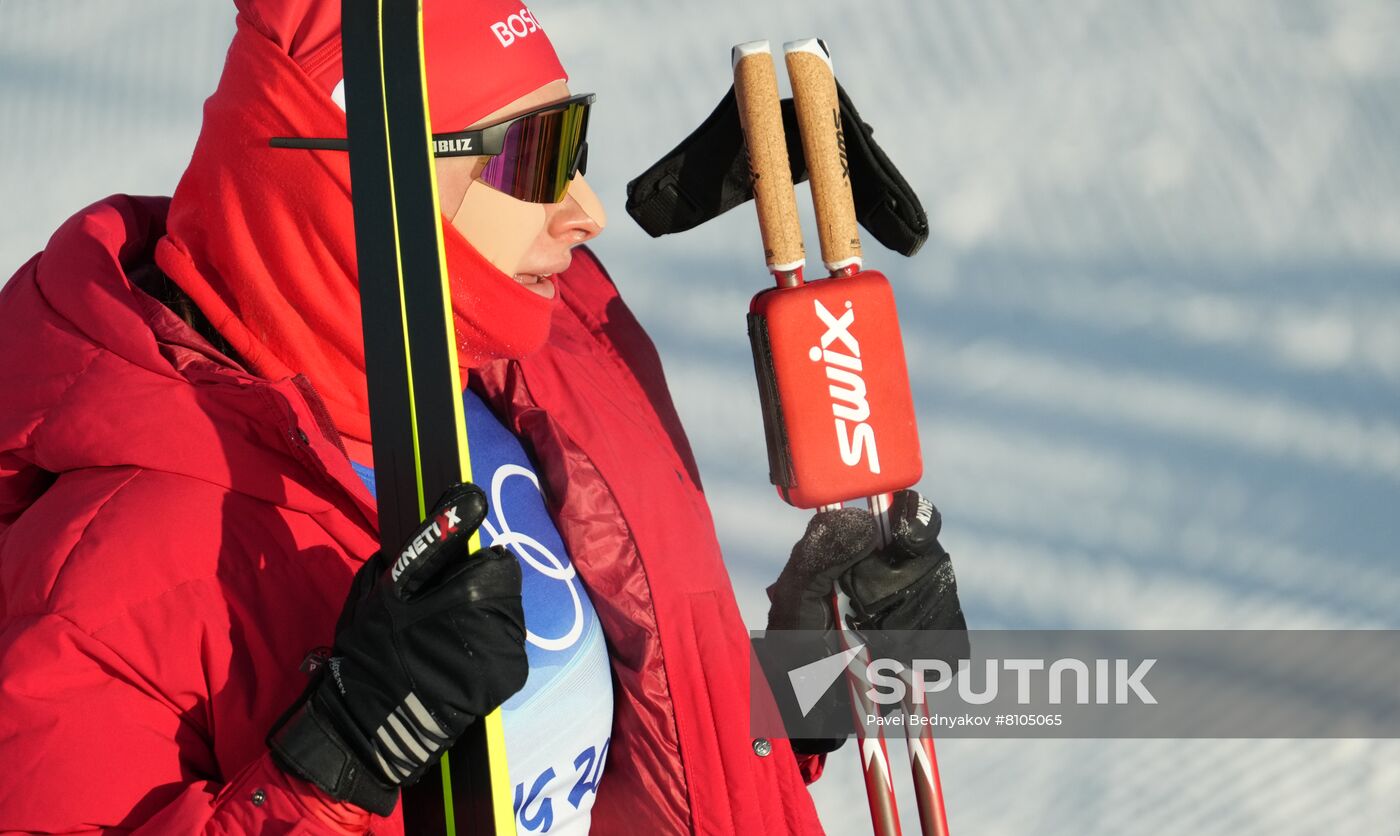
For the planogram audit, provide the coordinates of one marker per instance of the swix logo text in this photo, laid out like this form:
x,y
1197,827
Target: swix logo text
x,y
841,145
518,25
434,532
840,352
450,146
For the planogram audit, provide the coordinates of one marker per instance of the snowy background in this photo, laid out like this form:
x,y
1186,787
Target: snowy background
x,y
1155,336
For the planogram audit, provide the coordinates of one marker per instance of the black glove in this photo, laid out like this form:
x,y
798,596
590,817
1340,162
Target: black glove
x,y
834,541
909,584
906,586
708,174
430,639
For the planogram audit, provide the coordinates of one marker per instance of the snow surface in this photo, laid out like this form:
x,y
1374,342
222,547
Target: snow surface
x,y
1155,337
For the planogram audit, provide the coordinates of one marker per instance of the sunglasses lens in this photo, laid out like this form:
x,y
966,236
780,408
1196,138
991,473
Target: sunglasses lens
x,y
540,155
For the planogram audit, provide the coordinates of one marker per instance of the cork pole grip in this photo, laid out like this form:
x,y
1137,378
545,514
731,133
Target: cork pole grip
x,y
761,115
824,143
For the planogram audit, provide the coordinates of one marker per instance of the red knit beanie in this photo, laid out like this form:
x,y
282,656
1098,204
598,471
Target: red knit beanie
x,y
481,54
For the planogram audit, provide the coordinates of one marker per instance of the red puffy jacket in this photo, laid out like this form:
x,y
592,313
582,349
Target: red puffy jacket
x,y
176,534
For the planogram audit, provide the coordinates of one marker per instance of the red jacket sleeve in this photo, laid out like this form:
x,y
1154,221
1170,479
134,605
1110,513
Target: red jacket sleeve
x,y
91,746
811,767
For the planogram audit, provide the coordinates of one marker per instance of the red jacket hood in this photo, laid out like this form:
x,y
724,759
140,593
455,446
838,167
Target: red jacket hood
x,y
97,352
262,238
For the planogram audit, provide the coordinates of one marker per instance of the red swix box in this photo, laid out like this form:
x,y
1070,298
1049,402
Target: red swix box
x,y
837,412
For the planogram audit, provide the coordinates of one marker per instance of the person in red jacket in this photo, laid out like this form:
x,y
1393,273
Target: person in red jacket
x,y
187,523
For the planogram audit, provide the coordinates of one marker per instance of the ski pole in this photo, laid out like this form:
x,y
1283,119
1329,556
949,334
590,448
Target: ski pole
x,y
756,90
823,142
874,753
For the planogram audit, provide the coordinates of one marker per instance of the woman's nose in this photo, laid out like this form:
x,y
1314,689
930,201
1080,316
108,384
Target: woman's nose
x,y
573,225
579,217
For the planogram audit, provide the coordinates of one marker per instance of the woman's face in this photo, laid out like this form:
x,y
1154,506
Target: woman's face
x,y
529,242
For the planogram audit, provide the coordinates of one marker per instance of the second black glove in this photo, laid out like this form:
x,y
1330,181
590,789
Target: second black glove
x,y
431,638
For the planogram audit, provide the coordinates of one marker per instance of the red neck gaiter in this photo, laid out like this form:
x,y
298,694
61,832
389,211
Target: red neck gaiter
x,y
262,239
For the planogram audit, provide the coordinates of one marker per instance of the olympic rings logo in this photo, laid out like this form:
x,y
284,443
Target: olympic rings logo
x,y
536,554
